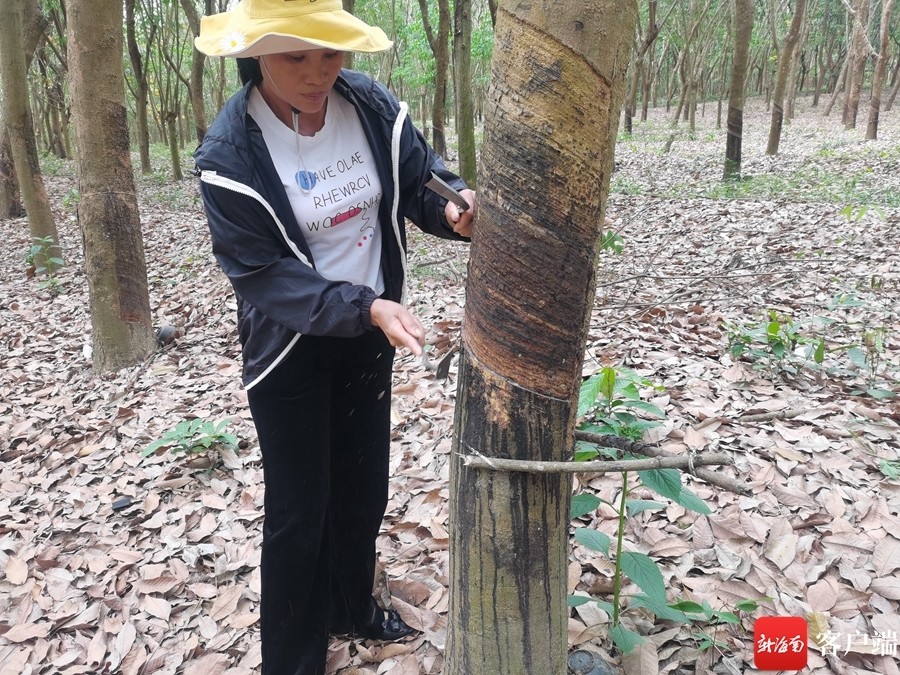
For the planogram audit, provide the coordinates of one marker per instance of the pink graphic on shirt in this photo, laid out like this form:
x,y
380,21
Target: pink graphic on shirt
x,y
346,215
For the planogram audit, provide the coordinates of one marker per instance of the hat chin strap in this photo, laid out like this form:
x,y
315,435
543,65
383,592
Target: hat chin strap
x,y
295,118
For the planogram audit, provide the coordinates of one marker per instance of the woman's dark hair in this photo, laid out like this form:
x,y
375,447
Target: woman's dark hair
x,y
248,71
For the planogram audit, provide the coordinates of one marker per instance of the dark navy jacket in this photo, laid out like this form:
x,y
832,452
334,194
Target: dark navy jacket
x,y
260,246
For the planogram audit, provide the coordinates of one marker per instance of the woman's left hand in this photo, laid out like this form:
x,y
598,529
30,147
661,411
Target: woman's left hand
x,y
461,222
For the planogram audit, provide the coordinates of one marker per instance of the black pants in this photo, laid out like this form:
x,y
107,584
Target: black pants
x,y
323,421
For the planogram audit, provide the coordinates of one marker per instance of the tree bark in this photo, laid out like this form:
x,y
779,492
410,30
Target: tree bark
x,y
857,71
794,80
141,86
439,40
34,29
107,211
349,6
465,108
890,101
880,70
20,126
542,196
743,31
198,60
838,87
784,68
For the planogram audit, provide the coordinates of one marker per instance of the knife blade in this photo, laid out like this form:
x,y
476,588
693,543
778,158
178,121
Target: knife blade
x,y
436,184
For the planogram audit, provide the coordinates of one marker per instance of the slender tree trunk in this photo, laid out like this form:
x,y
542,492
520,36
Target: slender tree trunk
x,y
631,98
198,61
743,31
784,67
141,88
838,87
880,69
439,40
34,27
648,82
523,339
107,210
820,75
465,108
890,101
349,6
795,80
791,94
174,152
857,73
20,126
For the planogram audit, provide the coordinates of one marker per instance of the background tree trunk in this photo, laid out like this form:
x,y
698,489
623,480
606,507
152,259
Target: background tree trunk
x,y
107,211
34,26
838,87
141,86
530,290
439,39
198,60
857,71
20,127
784,68
890,101
465,108
880,70
349,6
743,30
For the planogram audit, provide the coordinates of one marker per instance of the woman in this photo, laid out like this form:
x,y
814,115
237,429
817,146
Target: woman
x,y
307,175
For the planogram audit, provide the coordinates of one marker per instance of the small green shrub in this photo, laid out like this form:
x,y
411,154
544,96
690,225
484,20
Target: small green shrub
x,y
194,437
40,262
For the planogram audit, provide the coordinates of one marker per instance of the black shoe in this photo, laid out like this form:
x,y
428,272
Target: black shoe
x,y
385,625
390,627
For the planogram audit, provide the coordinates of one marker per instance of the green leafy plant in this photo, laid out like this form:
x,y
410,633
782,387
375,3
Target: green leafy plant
x,y
704,616
194,437
890,468
41,262
610,401
72,198
856,212
612,241
773,343
613,397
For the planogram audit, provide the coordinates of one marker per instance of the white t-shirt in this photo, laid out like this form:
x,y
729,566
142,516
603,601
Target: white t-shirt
x,y
339,214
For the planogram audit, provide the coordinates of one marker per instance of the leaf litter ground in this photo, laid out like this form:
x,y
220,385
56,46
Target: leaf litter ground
x,y
170,582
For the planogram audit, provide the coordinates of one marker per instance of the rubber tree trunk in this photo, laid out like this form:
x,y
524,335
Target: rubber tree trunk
x,y
784,68
439,40
20,126
141,85
880,70
198,61
107,210
465,107
857,71
531,284
743,30
34,25
890,101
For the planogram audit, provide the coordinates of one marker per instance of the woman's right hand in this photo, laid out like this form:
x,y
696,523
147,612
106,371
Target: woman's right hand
x,y
402,327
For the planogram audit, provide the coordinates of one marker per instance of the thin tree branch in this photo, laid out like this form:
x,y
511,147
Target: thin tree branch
x,y
711,477
479,461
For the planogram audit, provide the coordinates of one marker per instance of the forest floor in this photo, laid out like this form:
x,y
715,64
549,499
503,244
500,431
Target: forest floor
x,y
169,582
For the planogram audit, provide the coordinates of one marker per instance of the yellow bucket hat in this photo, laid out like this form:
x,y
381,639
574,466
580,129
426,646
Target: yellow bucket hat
x,y
259,27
